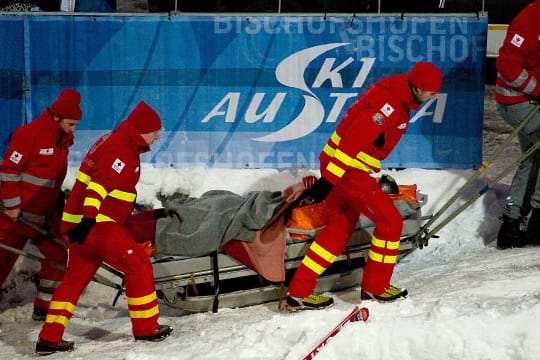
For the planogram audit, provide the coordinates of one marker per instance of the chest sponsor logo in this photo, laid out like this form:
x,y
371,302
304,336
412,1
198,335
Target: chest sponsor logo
x,y
48,151
517,40
16,157
118,165
387,109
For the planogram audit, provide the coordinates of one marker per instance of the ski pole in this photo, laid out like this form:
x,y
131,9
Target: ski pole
x,y
423,236
482,168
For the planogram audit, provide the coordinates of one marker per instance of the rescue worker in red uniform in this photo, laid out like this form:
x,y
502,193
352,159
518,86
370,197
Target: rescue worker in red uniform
x,y
101,201
31,177
517,92
366,135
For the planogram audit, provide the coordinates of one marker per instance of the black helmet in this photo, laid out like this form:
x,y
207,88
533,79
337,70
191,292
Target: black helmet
x,y
388,184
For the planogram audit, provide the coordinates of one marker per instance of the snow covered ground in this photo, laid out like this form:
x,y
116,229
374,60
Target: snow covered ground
x,y
467,299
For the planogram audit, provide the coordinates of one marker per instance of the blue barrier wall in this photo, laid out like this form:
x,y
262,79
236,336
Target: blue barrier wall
x,y
247,91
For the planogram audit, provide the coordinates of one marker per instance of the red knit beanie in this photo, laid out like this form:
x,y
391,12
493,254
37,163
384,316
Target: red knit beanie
x,y
66,106
426,76
144,118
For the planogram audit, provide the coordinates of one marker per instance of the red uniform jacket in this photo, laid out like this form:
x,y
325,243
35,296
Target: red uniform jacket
x,y
370,130
34,168
105,186
518,64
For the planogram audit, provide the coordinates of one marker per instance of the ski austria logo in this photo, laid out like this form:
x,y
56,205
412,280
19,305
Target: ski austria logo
x,y
291,73
312,115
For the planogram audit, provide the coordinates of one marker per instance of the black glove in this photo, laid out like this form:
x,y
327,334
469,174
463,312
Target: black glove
x,y
319,191
79,233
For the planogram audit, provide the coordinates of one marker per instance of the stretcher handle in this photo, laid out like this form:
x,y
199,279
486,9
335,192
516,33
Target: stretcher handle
x,y
480,170
423,236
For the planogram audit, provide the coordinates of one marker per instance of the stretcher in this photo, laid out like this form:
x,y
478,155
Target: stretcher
x,y
219,280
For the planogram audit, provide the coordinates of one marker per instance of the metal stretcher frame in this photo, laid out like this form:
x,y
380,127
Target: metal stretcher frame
x,y
198,284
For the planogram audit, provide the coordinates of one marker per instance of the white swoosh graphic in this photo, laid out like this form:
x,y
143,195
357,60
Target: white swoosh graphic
x,y
307,121
290,72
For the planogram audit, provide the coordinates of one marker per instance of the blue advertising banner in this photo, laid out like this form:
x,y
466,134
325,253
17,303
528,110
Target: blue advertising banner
x,y
258,91
12,69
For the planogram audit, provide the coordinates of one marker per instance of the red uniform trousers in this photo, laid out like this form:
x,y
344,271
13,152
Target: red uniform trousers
x,y
107,242
356,193
16,236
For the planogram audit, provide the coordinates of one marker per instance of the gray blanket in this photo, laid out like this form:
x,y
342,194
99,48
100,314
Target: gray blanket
x,y
202,225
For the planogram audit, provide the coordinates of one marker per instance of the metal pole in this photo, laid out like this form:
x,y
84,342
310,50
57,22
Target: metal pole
x,y
423,240
482,168
483,7
100,279
379,7
279,7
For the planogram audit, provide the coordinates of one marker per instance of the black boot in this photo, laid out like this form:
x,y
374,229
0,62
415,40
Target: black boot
x,y
44,347
533,228
161,333
510,235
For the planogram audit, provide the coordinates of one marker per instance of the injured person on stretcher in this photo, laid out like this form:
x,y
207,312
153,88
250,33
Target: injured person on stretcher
x,y
223,238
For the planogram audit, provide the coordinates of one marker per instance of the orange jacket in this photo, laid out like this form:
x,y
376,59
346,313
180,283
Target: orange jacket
x,y
34,168
105,186
518,64
370,130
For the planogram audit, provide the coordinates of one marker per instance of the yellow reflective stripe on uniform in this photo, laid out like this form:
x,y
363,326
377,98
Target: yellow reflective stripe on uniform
x,y
343,157
335,138
361,166
62,305
368,159
123,195
71,218
386,259
82,177
349,161
97,188
323,253
391,245
334,169
313,266
144,314
142,300
328,150
104,218
59,319
92,202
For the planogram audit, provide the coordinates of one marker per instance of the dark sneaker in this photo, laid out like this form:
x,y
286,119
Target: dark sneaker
x,y
44,347
161,333
391,294
39,314
510,234
312,302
